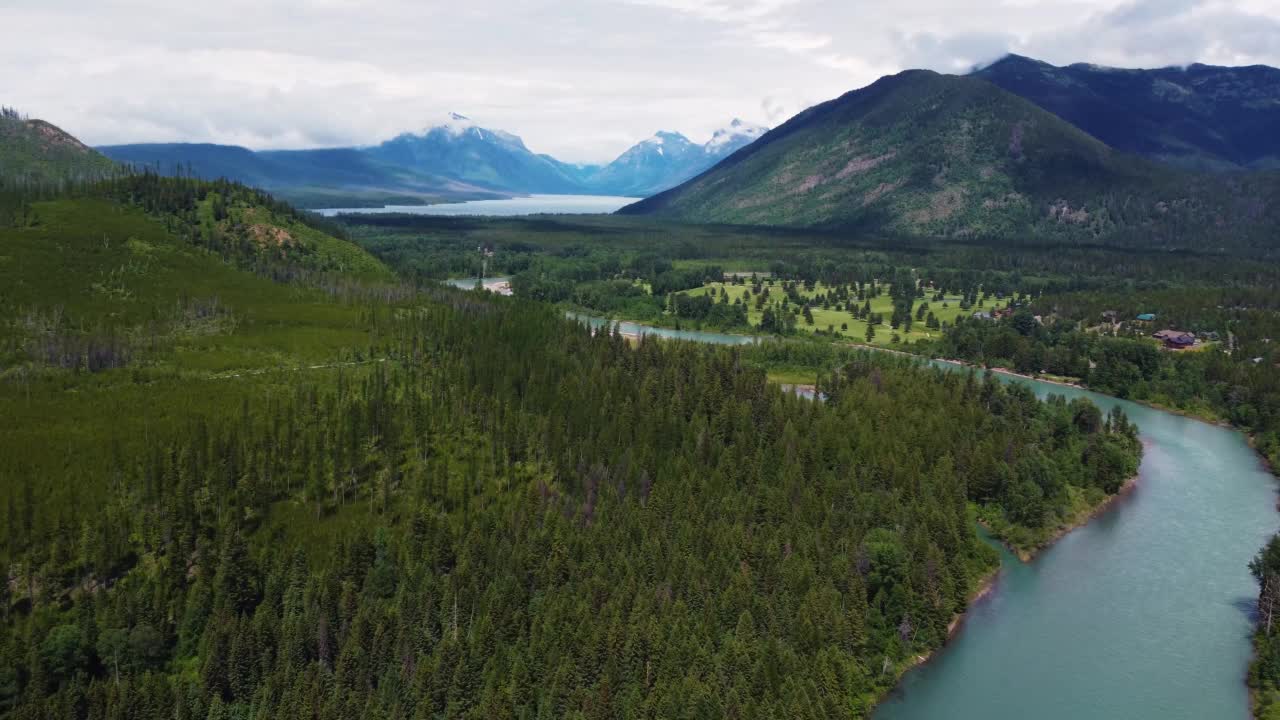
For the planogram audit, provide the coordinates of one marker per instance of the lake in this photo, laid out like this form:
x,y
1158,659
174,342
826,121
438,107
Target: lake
x,y
508,207
1143,614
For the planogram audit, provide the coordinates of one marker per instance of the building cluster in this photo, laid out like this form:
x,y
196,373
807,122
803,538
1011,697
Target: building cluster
x,y
1171,339
1175,339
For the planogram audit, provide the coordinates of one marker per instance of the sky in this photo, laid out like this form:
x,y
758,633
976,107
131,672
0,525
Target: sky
x,y
579,79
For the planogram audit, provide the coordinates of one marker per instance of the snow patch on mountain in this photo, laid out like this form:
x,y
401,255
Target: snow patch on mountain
x,y
455,125
738,133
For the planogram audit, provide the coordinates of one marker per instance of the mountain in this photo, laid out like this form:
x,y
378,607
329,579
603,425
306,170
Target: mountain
x,y
668,159
731,138
652,165
34,151
492,159
460,148
580,173
457,159
315,177
932,155
1200,116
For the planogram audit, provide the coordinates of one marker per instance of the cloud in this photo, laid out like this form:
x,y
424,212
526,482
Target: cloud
x,y
1143,12
956,53
581,79
774,112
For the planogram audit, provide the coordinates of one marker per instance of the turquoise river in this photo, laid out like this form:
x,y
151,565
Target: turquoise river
x,y
1143,614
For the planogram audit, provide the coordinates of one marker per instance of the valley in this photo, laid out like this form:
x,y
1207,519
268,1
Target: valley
x,y
941,398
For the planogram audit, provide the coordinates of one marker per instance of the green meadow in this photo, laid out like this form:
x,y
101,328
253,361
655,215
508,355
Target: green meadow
x,y
828,317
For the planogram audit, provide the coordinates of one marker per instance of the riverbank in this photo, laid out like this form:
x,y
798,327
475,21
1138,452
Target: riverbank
x,y
983,587
1264,702
1183,507
1083,516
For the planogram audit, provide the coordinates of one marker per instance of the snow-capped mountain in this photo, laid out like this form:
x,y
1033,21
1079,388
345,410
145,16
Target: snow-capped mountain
x,y
460,148
668,159
728,140
455,158
649,164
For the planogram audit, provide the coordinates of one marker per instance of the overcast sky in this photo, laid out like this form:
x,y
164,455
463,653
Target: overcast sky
x,y
580,79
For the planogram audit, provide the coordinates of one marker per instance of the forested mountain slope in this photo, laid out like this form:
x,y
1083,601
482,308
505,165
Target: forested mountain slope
x,y
244,477
1198,117
923,154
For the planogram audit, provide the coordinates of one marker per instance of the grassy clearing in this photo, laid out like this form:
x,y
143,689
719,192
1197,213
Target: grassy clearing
x,y
793,375
841,322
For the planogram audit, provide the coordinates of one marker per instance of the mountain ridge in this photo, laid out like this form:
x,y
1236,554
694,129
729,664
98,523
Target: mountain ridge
x,y
667,159
1200,117
324,173
457,159
924,154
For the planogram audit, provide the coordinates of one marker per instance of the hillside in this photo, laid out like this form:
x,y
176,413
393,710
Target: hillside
x,y
925,154
1199,117
34,151
100,285
137,309
310,178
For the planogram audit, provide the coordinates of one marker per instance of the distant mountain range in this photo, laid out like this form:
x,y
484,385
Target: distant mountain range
x,y
36,152
668,159
455,160
1199,117
311,178
924,154
1168,157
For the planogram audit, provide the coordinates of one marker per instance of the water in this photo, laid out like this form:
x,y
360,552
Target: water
x,y
630,328
508,207
1143,614
501,285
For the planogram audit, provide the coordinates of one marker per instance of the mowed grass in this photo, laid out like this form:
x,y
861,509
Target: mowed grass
x,y
835,319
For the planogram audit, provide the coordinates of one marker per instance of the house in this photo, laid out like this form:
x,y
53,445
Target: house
x,y
1175,339
1147,317
1110,315
982,315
